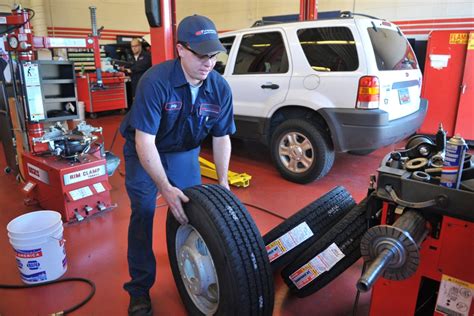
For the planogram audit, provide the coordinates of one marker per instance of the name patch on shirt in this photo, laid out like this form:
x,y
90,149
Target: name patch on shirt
x,y
173,106
207,109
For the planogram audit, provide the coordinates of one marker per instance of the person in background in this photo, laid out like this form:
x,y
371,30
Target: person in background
x,y
141,62
178,103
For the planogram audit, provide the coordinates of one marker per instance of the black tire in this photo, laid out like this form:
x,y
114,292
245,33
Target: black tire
x,y
314,161
227,240
346,235
417,139
362,152
319,216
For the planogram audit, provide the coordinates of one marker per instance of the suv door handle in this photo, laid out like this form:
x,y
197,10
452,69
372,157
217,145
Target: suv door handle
x,y
270,86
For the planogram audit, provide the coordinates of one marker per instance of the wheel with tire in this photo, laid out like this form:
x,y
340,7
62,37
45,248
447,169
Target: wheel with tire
x,y
328,257
290,238
218,259
301,152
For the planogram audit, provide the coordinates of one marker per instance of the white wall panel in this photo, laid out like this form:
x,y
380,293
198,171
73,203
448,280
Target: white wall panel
x,y
129,15
397,10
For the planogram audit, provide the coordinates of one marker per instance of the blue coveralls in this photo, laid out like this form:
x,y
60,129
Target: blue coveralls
x,y
163,107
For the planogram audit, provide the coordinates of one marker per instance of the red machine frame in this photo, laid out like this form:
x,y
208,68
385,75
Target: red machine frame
x,y
75,186
77,189
449,253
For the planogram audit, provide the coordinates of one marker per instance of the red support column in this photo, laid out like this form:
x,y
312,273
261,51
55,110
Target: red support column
x,y
308,10
163,37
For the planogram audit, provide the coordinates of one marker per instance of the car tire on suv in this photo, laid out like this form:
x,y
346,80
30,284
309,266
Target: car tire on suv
x,y
301,152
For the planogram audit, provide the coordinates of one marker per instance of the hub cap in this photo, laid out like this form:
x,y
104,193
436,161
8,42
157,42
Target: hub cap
x,y
197,269
296,152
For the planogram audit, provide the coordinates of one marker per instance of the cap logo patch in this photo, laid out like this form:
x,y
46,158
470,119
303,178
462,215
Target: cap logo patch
x,y
204,32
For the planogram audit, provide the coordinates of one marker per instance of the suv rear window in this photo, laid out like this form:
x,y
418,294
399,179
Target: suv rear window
x,y
329,48
261,53
392,50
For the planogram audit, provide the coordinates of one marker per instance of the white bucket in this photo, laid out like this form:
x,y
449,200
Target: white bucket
x,y
37,239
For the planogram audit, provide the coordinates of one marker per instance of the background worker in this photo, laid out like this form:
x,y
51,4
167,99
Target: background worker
x,y
178,103
141,62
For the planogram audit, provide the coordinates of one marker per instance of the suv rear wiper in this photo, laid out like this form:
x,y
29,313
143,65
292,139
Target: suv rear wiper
x,y
374,27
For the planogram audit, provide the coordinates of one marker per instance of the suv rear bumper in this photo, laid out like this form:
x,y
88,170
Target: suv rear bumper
x,y
353,129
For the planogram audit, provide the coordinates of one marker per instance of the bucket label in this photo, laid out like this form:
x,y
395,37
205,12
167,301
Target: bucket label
x,y
64,262
35,277
81,175
34,253
33,265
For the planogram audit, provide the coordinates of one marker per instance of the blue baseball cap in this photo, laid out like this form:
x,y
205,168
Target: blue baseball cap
x,y
200,33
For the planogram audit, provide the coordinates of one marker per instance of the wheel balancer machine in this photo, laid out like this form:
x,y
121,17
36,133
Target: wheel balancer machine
x,y
65,170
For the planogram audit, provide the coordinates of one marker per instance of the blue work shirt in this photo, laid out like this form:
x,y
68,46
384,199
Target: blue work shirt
x,y
163,107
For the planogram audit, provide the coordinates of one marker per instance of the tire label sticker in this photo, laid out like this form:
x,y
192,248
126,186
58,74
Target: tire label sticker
x,y
454,296
321,263
288,241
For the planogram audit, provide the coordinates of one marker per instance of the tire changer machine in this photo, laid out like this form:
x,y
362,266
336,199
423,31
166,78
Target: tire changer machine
x,y
424,247
63,169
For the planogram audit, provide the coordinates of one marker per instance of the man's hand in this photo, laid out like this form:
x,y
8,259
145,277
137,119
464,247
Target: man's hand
x,y
151,162
175,197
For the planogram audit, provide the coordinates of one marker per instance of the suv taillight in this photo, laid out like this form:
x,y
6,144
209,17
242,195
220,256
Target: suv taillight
x,y
368,94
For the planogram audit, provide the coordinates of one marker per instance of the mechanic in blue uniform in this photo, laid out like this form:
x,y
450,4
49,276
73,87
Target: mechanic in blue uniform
x,y
141,63
178,103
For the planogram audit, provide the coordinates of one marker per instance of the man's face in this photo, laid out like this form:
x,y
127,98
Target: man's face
x,y
196,67
136,47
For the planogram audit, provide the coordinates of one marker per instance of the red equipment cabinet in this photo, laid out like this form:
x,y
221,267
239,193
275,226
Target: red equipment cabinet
x,y
451,254
111,96
75,189
450,89
416,284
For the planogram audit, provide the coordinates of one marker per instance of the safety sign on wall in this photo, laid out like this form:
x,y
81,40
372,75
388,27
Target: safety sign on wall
x,y
33,91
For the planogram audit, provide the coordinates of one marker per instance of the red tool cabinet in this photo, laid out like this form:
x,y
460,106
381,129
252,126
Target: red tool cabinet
x,y
449,88
111,96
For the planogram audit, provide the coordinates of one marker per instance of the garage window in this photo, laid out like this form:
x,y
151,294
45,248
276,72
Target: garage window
x,y
329,48
222,58
261,53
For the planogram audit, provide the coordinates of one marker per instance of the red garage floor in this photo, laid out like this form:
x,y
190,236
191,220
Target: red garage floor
x,y
96,247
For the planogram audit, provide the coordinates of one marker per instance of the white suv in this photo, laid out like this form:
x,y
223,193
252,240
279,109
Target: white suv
x,y
310,89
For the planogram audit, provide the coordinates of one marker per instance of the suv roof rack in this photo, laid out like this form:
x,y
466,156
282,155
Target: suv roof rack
x,y
331,15
349,14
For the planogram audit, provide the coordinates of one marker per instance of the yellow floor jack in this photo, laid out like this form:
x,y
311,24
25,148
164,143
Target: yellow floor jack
x,y
208,170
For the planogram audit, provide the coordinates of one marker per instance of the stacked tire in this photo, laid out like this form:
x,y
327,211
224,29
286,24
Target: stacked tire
x,y
329,256
288,240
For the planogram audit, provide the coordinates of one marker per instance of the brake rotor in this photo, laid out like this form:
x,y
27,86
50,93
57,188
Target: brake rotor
x,y
399,242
